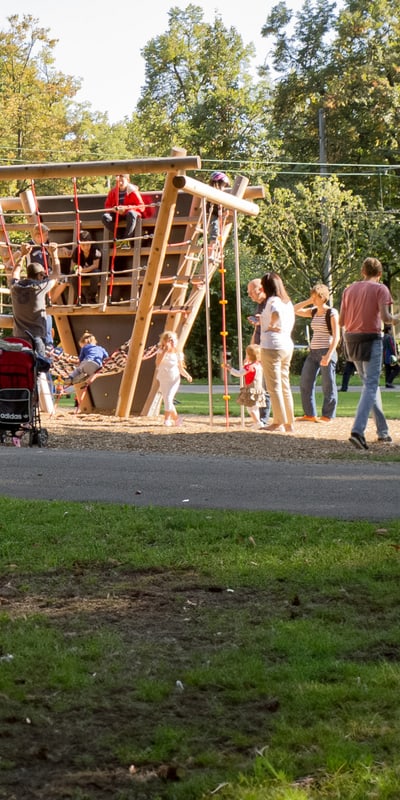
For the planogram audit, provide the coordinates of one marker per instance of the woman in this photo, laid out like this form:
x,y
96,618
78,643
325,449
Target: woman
x,y
276,323
322,356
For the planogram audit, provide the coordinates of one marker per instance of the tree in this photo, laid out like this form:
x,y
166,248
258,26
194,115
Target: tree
x,y
345,63
34,97
287,235
199,93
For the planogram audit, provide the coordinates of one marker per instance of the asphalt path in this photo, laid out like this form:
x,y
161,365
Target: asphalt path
x,y
342,490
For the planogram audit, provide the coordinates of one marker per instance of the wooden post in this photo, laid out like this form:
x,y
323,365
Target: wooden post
x,y
147,297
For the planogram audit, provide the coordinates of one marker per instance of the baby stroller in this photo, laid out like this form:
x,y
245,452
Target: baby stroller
x,y
19,396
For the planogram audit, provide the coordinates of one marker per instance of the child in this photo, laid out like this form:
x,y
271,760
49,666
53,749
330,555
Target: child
x,y
91,358
220,181
253,378
170,365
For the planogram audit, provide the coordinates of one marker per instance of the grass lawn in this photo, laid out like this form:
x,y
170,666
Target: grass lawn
x,y
180,655
193,403
197,403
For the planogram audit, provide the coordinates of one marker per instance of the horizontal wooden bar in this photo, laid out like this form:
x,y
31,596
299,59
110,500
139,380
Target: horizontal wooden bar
x,y
78,169
217,196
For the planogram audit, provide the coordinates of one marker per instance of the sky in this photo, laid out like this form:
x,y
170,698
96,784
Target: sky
x,y
101,44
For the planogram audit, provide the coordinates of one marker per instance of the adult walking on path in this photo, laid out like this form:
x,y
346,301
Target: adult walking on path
x,y
365,306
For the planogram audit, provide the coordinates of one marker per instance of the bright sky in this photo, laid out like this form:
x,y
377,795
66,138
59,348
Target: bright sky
x,y
98,41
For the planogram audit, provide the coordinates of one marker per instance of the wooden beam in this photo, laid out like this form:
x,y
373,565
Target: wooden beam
x,y
147,298
78,169
225,199
254,193
11,204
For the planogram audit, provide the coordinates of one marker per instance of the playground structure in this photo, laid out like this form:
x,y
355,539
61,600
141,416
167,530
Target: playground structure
x,y
159,282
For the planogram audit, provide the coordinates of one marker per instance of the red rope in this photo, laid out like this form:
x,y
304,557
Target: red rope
x,y
114,253
78,234
7,238
44,251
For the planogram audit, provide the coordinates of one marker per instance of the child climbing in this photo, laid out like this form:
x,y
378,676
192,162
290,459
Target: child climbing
x,y
220,181
91,359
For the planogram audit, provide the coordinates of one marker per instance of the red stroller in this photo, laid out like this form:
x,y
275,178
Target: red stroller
x,y
19,396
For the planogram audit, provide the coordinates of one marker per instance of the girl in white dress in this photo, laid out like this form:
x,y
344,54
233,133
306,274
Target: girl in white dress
x,y
170,366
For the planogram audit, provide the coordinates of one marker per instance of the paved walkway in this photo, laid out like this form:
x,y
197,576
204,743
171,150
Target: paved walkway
x,y
350,490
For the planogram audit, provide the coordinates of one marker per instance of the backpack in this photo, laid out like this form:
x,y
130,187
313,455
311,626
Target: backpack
x,y
327,318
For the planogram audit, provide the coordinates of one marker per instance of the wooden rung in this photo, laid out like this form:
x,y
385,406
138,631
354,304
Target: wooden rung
x,y
171,310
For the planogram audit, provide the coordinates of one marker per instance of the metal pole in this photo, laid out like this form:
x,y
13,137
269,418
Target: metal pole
x,y
327,260
238,303
207,306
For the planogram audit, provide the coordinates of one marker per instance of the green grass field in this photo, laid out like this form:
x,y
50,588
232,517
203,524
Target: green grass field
x,y
197,403
193,403
162,654
175,654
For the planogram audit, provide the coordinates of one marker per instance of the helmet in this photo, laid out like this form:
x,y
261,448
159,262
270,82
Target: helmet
x,y
220,177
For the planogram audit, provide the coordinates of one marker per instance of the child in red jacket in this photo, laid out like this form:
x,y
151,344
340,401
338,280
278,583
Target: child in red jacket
x,y
125,198
253,382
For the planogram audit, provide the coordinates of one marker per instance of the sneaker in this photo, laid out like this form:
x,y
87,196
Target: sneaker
x,y
386,438
389,386
358,440
306,418
325,419
168,423
16,441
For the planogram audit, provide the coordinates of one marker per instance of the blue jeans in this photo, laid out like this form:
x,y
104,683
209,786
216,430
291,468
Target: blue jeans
x,y
370,400
130,219
309,374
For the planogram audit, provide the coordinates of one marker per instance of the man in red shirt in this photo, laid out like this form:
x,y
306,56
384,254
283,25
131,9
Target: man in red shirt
x,y
365,306
125,198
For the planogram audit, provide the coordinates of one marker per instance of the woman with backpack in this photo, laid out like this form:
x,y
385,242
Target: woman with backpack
x,y
322,357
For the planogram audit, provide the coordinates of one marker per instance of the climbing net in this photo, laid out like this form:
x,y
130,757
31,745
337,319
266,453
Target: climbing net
x,y
70,292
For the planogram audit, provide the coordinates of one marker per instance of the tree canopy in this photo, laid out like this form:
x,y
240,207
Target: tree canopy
x,y
202,92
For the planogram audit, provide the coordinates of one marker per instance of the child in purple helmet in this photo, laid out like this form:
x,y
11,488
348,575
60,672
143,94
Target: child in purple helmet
x,y
218,180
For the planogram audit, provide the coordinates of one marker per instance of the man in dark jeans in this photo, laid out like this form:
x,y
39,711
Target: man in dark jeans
x,y
255,292
365,305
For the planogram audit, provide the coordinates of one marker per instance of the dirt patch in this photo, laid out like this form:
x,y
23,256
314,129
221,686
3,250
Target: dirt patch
x,y
153,618
311,441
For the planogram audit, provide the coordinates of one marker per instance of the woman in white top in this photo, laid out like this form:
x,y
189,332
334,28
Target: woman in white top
x,y
276,324
322,356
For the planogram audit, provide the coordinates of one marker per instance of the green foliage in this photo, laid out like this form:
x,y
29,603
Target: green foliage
x,y
298,228
199,92
343,62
